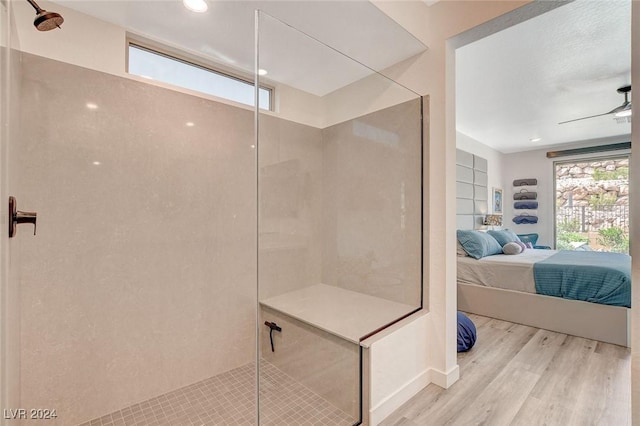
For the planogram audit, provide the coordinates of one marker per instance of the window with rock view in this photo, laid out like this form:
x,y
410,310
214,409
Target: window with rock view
x,y
592,204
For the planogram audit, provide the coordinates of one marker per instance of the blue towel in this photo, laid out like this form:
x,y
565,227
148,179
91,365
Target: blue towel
x,y
519,220
466,333
525,205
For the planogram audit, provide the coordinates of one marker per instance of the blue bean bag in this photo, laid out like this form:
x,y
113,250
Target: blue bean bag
x,y
466,333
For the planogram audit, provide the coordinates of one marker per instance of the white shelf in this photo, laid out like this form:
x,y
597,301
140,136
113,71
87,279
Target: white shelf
x,y
343,313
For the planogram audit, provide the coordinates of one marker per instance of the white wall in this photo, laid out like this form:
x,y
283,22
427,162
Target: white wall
x,y
432,74
367,95
530,164
397,366
84,41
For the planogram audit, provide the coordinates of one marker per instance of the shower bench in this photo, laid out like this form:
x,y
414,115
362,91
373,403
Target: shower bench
x,y
344,313
323,328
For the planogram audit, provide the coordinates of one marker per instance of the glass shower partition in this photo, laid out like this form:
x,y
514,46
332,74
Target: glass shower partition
x,y
339,177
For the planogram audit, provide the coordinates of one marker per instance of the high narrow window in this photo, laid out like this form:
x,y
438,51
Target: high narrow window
x,y
592,204
168,69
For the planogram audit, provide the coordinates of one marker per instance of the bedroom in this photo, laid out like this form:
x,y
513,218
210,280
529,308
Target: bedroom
x,y
520,110
512,110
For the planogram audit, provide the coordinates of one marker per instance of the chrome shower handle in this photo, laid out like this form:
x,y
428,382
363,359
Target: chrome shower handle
x,y
18,217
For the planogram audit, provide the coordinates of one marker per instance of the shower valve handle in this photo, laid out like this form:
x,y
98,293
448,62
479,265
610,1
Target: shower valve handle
x,y
18,217
27,217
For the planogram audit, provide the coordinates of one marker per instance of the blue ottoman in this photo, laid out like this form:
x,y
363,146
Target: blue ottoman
x,y
466,333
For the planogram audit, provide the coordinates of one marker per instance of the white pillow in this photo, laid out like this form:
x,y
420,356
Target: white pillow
x,y
512,248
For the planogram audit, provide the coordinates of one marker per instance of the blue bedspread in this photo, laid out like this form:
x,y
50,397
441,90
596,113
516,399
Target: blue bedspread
x,y
586,275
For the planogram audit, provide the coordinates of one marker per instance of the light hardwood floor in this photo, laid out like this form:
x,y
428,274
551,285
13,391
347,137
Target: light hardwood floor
x,y
519,375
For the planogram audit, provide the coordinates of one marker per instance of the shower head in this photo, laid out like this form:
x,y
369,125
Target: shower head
x,y
45,21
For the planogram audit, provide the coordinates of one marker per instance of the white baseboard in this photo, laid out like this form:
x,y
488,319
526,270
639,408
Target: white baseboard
x,y
391,403
445,380
399,397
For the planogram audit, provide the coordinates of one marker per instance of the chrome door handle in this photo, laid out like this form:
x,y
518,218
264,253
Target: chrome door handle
x,y
17,217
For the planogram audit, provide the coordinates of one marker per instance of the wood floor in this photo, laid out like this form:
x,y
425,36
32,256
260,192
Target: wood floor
x,y
519,375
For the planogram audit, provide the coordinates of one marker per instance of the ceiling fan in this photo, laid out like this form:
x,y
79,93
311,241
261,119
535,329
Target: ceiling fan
x,y
623,110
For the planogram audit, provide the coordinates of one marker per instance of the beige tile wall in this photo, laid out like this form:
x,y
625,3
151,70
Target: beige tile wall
x,y
141,278
290,187
371,204
341,205
10,293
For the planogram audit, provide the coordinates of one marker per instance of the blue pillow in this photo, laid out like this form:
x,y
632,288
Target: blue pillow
x,y
466,333
504,236
478,244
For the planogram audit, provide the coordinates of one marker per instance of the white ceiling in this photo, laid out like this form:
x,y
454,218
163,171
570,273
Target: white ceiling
x,y
520,83
225,34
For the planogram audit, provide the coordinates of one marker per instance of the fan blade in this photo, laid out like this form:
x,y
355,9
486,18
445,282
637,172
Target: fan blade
x,y
584,118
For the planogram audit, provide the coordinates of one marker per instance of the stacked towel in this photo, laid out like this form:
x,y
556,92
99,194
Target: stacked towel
x,y
525,195
525,182
525,205
522,219
527,188
527,212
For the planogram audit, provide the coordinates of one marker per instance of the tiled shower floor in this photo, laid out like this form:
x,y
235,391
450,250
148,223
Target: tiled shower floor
x,y
229,399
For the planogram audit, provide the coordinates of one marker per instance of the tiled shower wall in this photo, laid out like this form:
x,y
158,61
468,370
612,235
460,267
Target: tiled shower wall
x,y
341,205
141,278
290,205
372,196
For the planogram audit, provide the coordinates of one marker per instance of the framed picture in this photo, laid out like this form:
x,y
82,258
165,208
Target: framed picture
x,y
497,200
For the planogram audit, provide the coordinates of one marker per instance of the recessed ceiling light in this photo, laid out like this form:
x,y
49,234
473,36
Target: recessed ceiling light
x,y
91,105
262,72
199,6
96,163
535,139
190,124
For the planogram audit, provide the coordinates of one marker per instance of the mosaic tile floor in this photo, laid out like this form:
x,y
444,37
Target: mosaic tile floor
x,y
229,399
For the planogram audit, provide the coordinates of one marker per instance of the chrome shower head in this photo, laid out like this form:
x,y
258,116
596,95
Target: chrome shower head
x,y
45,21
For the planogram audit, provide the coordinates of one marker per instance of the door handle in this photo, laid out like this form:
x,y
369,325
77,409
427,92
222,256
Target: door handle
x,y
17,217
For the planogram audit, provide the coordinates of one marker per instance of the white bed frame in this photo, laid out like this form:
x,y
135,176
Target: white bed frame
x,y
605,323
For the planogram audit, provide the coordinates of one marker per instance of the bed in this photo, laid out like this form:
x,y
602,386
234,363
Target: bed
x,y
509,287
